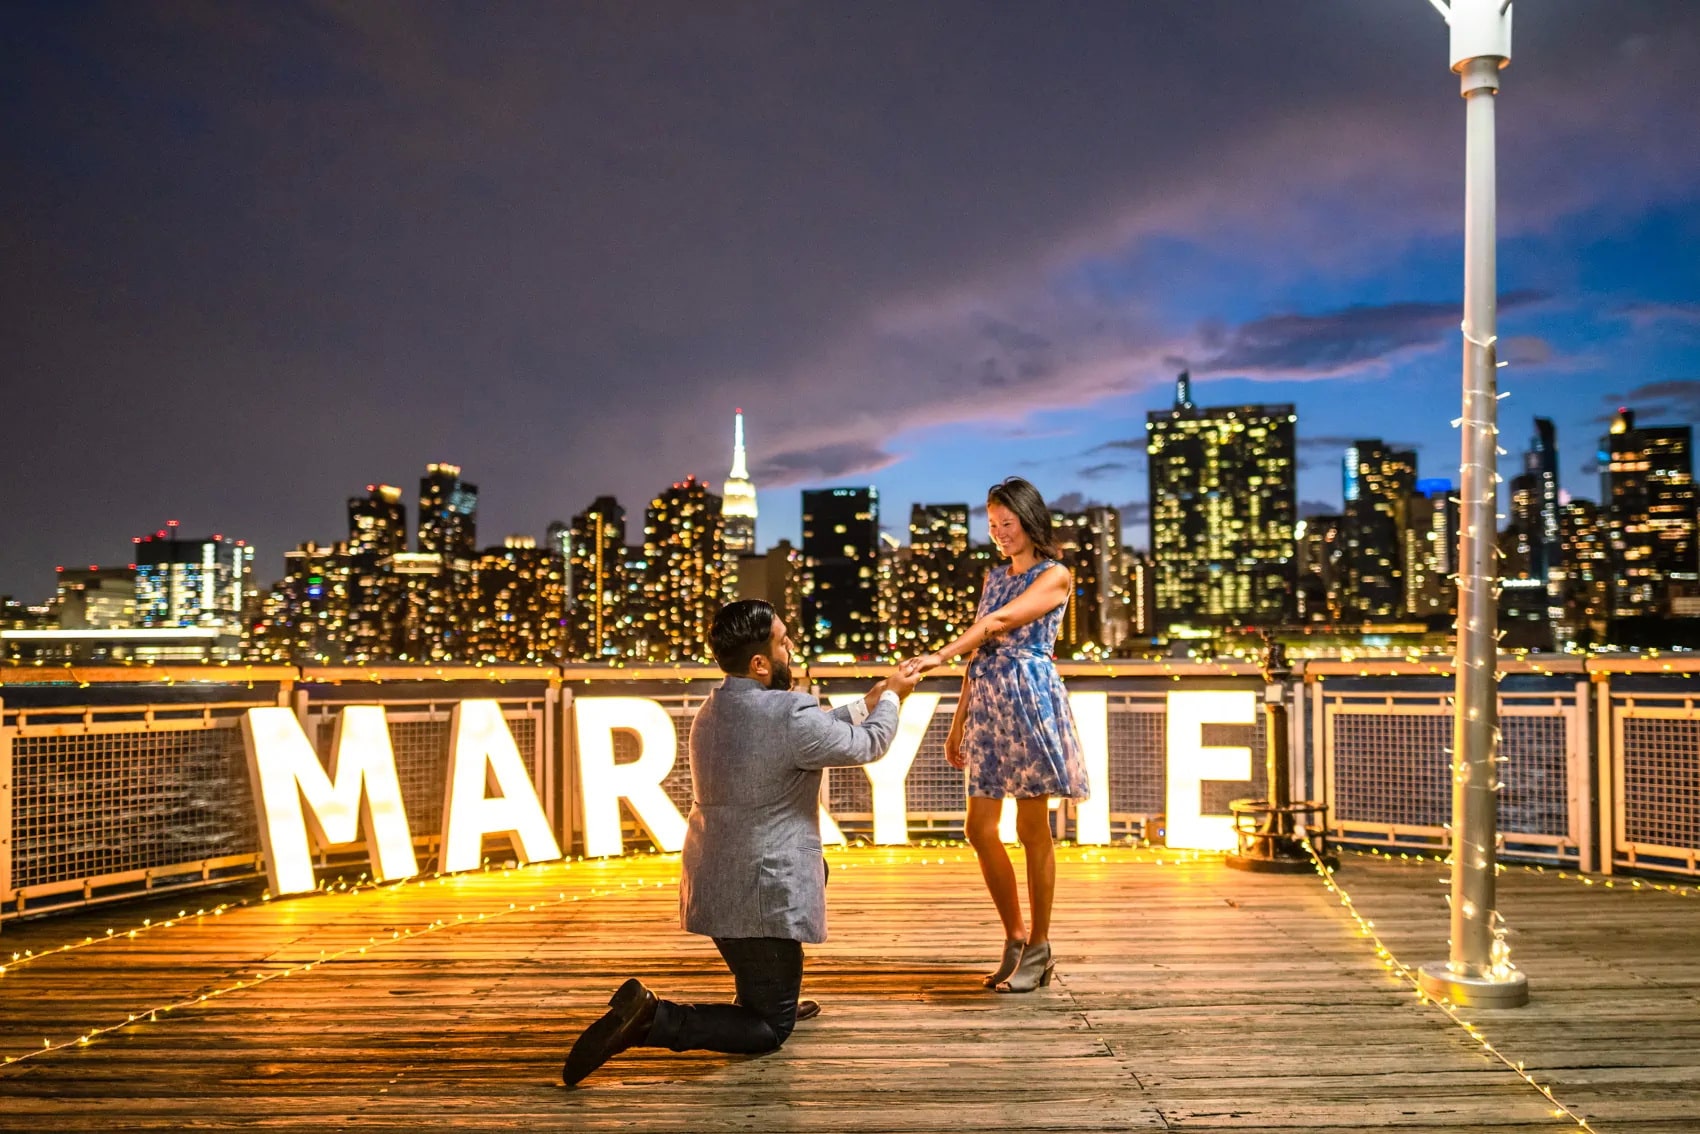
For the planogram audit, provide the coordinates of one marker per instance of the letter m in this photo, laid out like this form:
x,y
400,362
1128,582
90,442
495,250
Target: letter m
x,y
292,792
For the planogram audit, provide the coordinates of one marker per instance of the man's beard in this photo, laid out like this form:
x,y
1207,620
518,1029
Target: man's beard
x,y
780,677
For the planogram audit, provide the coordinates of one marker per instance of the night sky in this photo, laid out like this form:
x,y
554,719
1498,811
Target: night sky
x,y
254,257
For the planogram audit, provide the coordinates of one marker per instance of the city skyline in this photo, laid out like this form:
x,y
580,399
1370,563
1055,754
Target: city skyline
x,y
257,258
1229,555
1135,527
894,511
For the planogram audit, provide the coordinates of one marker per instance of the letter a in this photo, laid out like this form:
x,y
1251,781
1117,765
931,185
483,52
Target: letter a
x,y
483,756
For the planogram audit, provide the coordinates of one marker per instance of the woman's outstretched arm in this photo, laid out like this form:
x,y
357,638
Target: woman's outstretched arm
x,y
1049,591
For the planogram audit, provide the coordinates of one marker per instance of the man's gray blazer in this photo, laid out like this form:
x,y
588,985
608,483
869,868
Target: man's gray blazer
x,y
752,864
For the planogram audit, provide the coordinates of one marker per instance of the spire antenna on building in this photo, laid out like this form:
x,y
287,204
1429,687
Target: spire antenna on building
x,y
1183,390
738,509
740,469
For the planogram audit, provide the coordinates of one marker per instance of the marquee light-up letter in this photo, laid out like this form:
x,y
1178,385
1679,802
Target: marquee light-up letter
x,y
361,794
1191,762
1092,815
603,783
1006,819
889,775
482,757
830,832
1092,720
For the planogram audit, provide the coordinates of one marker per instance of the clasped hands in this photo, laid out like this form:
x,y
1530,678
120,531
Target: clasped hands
x,y
907,675
919,664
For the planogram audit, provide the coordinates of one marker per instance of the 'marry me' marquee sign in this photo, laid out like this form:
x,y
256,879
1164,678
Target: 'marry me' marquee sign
x,y
487,790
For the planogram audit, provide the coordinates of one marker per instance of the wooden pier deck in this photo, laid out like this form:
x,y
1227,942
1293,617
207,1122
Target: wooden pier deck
x,y
1190,998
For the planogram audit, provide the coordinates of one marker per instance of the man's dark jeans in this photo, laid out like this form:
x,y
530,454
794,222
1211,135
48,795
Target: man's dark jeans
x,y
768,973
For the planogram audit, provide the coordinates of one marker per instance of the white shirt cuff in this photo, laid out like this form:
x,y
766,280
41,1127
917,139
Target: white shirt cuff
x,y
859,707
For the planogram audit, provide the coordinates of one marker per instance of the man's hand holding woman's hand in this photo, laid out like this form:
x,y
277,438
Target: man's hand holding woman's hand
x,y
921,664
902,680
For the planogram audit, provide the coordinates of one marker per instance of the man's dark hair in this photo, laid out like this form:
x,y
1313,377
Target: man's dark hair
x,y
741,631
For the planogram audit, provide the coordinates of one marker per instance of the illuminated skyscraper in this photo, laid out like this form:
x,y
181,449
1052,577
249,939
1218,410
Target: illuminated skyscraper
x,y
425,623
516,609
377,530
95,598
776,577
1379,483
1223,506
596,599
1431,549
377,522
1540,465
685,562
738,505
1320,596
936,587
1582,589
1091,546
448,514
841,555
1140,597
1647,505
304,618
200,582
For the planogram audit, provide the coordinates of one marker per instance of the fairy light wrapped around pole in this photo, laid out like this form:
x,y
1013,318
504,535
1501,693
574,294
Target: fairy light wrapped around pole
x,y
1478,971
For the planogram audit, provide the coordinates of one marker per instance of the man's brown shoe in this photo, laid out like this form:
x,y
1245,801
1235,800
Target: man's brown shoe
x,y
631,1011
807,1010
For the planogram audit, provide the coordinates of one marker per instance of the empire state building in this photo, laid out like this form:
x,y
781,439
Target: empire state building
x,y
738,512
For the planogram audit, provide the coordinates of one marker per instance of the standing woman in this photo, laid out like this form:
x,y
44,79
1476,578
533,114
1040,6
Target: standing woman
x,y
1013,730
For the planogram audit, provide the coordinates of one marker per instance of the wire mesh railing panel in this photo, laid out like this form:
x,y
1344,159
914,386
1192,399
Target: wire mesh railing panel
x,y
848,792
1391,767
1661,781
1138,760
422,766
1535,796
933,787
678,784
92,804
528,738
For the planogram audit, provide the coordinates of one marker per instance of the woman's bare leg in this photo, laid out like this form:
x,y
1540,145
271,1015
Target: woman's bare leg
x,y
995,867
1033,828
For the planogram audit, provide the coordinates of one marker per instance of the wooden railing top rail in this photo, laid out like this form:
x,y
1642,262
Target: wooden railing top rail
x,y
1310,669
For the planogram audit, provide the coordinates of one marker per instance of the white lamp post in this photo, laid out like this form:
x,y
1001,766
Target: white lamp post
x,y
1478,970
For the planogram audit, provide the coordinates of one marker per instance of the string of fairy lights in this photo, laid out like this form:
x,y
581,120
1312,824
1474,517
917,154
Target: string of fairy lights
x,y
1606,882
922,853
264,976
1400,969
340,887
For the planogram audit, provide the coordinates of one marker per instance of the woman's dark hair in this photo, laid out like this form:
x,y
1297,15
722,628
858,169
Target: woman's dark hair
x,y
741,631
1028,507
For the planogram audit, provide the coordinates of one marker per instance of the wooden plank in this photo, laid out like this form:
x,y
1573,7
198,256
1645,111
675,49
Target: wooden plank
x,y
1189,998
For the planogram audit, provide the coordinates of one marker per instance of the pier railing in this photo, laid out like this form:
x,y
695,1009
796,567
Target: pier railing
x,y
120,781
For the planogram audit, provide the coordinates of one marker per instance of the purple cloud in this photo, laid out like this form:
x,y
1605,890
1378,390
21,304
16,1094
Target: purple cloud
x,y
1346,341
829,462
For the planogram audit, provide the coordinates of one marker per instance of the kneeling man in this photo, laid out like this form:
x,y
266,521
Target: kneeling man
x,y
753,877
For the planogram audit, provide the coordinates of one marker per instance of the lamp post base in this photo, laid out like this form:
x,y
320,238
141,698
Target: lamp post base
x,y
1439,982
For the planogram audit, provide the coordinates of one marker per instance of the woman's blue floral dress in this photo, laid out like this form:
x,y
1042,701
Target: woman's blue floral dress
x,y
1019,736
